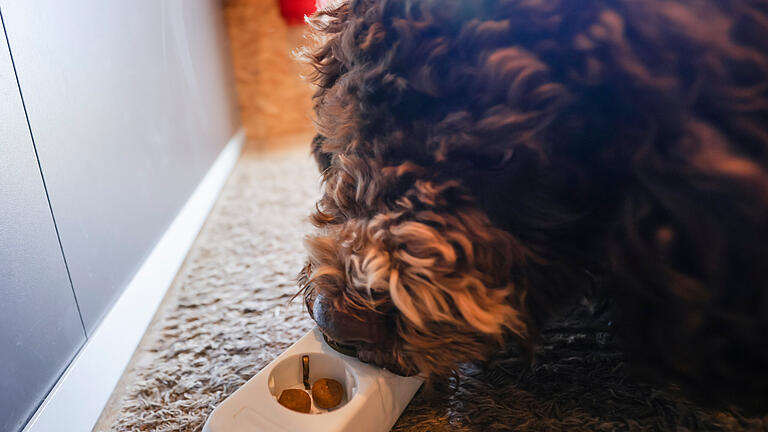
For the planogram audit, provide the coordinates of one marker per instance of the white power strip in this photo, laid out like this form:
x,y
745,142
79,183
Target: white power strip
x,y
373,401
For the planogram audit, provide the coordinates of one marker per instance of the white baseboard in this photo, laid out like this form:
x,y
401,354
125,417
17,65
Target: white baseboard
x,y
79,396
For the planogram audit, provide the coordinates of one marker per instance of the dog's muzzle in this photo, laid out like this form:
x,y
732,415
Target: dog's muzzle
x,y
345,332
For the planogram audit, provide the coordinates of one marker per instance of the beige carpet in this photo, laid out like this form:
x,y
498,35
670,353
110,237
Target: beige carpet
x,y
227,315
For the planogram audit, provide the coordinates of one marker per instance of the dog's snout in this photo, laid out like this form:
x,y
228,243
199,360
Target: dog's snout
x,y
364,327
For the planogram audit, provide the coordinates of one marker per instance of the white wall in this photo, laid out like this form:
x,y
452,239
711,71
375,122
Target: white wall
x,y
129,103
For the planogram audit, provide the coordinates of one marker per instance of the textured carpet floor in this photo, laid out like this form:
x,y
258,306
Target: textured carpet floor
x,y
228,314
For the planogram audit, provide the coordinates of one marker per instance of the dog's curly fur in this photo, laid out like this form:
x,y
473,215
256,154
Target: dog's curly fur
x,y
486,162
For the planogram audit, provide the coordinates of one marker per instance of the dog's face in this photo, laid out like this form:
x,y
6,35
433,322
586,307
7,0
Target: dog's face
x,y
407,264
406,269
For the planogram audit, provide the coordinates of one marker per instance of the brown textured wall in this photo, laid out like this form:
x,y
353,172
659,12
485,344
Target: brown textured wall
x,y
273,98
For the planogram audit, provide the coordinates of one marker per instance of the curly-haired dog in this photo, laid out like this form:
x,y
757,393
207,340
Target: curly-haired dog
x,y
486,162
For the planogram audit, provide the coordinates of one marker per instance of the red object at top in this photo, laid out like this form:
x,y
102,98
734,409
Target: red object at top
x,y
294,10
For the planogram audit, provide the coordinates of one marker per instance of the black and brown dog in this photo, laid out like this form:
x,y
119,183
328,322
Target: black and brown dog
x,y
486,162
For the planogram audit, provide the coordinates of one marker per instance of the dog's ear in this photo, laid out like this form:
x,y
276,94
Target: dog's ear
x,y
448,268
447,276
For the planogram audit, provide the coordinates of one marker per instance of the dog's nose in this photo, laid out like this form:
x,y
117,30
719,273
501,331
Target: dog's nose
x,y
365,327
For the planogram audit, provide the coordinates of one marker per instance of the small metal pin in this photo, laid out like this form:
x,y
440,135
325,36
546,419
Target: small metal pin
x,y
305,371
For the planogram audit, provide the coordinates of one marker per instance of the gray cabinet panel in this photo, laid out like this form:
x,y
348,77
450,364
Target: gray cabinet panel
x,y
130,102
40,329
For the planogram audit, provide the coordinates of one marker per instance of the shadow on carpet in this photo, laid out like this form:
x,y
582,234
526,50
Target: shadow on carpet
x,y
578,382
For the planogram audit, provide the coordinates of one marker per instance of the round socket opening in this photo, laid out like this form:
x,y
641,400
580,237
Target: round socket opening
x,y
288,374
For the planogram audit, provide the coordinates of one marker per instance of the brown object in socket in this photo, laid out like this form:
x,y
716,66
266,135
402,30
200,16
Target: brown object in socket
x,y
295,399
327,393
